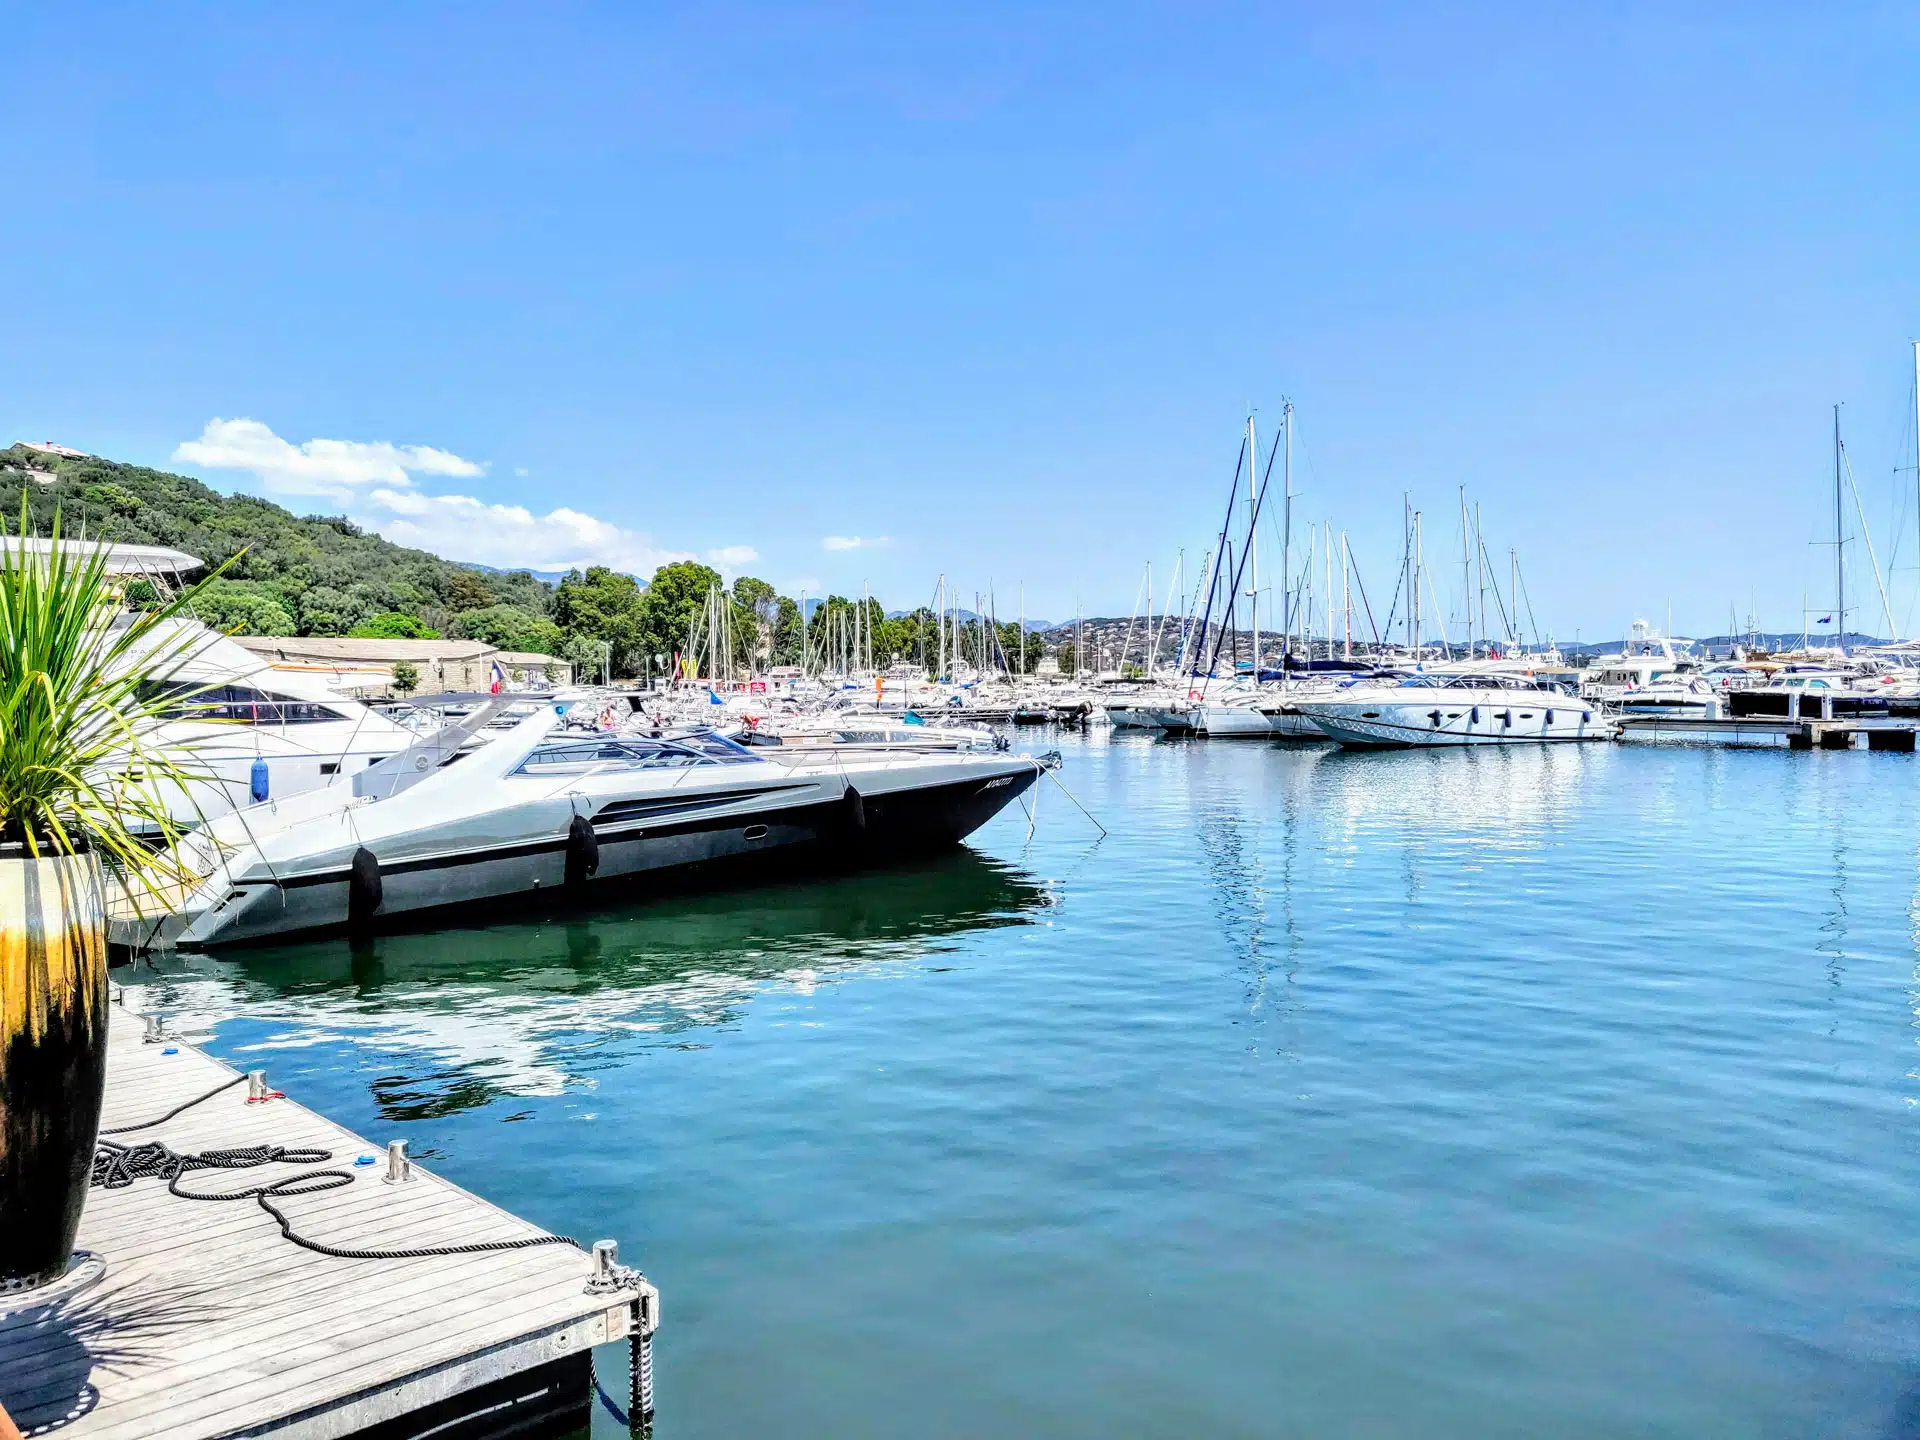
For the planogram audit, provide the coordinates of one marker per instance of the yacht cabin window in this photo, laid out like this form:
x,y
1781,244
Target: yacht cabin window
x,y
235,704
578,756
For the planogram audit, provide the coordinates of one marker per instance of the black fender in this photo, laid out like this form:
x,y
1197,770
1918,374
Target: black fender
x,y
583,851
853,809
364,891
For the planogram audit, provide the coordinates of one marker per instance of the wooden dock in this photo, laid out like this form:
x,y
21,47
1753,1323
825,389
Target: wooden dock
x,y
1778,732
208,1323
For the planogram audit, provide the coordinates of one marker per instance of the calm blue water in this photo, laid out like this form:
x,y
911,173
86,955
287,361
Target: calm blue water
x,y
1560,1092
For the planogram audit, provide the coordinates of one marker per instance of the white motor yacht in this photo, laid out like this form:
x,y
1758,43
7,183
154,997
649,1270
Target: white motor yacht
x,y
545,809
1679,696
255,731
1645,657
1286,720
1455,710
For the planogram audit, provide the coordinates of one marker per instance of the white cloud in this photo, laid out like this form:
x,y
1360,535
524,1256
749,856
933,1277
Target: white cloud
x,y
512,537
857,542
458,527
320,467
732,557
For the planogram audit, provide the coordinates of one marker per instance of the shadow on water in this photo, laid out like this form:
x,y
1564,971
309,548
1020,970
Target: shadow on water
x,y
758,931
523,1006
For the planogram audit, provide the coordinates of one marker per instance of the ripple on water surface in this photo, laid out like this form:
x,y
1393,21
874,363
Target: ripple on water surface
x,y
1562,1092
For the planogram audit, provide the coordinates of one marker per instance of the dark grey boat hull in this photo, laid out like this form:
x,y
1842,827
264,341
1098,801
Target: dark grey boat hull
x,y
633,857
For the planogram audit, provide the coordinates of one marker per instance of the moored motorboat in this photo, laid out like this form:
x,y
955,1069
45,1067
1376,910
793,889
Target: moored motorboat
x,y
1429,710
251,731
1676,697
540,811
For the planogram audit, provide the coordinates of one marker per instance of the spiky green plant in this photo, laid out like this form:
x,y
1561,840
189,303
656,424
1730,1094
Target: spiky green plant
x,y
81,764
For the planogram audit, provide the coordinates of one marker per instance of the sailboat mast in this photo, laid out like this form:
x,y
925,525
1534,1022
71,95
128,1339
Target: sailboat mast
x,y
1148,666
1513,597
1253,550
1286,521
1346,602
1466,569
1480,559
1406,558
1419,567
1839,546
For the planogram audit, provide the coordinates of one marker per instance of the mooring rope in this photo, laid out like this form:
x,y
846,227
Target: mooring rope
x,y
184,1105
116,1166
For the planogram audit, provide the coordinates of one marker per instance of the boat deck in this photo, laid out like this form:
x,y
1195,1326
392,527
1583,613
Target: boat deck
x,y
208,1323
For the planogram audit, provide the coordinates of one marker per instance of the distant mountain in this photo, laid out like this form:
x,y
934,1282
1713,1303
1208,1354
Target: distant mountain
x,y
1034,627
552,577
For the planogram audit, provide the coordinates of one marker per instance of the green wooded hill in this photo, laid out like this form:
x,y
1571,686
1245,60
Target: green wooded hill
x,y
321,575
306,575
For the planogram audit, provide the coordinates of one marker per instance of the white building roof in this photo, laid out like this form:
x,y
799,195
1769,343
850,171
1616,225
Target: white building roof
x,y
121,559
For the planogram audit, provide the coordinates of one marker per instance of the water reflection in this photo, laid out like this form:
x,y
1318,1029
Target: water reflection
x,y
1504,796
527,1007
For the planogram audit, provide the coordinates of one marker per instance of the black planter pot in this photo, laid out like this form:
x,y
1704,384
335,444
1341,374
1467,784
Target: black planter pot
x,y
53,1056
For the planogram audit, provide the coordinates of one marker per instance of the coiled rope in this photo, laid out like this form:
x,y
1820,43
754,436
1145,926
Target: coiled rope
x,y
116,1166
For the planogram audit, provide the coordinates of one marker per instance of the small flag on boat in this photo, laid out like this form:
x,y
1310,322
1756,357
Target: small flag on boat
x,y
499,679
1826,619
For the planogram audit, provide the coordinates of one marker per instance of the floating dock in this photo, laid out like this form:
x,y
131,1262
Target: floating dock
x,y
200,1320
1764,731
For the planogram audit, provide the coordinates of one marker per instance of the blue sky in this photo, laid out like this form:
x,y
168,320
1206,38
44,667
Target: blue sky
x,y
991,289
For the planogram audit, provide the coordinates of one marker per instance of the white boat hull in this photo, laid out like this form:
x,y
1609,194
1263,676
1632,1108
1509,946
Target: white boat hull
x,y
1231,722
1132,717
1439,720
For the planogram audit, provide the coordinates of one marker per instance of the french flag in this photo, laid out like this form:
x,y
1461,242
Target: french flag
x,y
499,679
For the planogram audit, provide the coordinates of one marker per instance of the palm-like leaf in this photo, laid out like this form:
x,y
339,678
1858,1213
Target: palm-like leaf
x,y
82,765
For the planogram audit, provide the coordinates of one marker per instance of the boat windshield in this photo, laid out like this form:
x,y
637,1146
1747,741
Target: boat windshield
x,y
1470,682
570,756
233,704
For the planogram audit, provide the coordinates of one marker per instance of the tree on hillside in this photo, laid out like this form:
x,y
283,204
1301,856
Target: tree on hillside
x,y
1008,632
757,596
585,654
508,627
676,594
602,606
392,625
464,590
757,606
238,607
786,631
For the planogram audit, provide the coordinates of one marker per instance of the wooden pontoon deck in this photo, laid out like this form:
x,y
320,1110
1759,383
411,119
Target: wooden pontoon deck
x,y
208,1323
